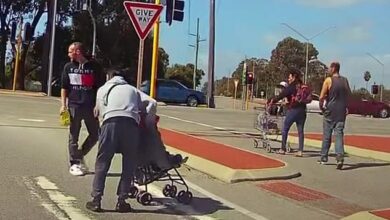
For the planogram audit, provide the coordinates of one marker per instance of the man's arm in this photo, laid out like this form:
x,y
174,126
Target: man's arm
x,y
324,91
65,84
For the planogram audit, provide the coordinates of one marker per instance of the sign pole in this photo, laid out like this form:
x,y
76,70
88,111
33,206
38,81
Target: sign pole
x,y
140,63
235,93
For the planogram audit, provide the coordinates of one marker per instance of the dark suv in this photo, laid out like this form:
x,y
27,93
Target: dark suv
x,y
172,91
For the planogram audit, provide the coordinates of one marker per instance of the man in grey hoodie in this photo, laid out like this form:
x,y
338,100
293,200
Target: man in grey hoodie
x,y
120,105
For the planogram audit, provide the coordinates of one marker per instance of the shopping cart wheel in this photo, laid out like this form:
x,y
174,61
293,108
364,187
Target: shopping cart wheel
x,y
255,143
133,192
146,198
269,149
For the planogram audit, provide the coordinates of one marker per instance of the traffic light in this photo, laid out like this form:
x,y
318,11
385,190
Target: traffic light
x,y
13,31
375,89
249,78
174,11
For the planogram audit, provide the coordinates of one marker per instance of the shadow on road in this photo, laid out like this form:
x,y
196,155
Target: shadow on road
x,y
363,165
169,206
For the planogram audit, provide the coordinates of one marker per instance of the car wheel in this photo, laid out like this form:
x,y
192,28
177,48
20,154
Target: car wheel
x,y
384,113
192,101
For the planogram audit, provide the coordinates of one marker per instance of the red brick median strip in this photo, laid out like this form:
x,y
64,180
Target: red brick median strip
x,y
375,143
216,152
312,198
382,213
294,191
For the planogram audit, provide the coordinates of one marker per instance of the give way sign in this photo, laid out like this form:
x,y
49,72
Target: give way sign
x,y
143,16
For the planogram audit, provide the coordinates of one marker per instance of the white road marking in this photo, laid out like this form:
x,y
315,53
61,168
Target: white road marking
x,y
208,126
225,202
58,199
50,207
188,209
31,120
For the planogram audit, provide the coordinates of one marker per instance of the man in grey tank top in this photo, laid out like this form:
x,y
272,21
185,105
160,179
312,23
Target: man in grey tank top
x,y
333,102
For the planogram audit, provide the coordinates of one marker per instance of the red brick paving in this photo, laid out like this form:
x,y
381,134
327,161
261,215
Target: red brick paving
x,y
216,152
312,198
381,144
294,191
382,213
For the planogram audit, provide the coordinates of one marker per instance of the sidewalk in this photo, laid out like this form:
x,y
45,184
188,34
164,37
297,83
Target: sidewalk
x,y
22,93
376,147
374,215
226,163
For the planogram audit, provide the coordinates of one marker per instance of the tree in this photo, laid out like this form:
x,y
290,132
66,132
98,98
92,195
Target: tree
x,y
184,74
367,77
289,53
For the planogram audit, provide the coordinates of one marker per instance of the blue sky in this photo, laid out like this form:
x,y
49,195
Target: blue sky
x,y
252,28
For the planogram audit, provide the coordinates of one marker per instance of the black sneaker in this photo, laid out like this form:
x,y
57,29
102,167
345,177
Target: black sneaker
x,y
123,207
340,164
94,206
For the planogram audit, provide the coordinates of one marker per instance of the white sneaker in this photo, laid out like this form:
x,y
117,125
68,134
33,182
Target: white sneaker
x,y
76,170
83,166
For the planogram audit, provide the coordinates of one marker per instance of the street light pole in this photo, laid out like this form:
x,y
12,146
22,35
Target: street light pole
x,y
383,73
307,44
210,93
52,43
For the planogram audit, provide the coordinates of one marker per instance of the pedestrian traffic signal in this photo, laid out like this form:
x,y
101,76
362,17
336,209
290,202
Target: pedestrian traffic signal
x,y
174,11
375,89
249,78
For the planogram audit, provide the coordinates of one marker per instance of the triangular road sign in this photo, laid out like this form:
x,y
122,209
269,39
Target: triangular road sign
x,y
143,16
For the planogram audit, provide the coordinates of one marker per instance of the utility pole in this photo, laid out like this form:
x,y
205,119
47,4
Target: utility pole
x,y
52,40
196,46
210,94
18,51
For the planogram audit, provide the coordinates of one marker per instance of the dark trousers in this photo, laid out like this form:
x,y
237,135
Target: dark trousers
x,y
118,134
78,114
297,115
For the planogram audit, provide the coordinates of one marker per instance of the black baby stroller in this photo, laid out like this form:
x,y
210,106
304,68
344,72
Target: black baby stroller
x,y
156,164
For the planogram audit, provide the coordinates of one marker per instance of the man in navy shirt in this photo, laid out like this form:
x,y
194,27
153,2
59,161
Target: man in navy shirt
x,y
80,80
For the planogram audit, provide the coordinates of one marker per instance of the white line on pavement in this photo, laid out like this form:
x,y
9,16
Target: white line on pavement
x,y
31,120
225,202
65,203
210,126
50,207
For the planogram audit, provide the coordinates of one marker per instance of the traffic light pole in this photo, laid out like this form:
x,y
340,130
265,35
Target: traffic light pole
x,y
156,37
210,93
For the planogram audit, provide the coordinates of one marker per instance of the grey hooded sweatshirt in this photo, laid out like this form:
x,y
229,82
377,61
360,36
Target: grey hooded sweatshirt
x,y
123,100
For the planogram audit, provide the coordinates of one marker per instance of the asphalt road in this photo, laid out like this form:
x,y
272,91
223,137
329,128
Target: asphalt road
x,y
35,183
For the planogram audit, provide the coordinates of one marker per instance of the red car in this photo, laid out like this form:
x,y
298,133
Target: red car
x,y
369,107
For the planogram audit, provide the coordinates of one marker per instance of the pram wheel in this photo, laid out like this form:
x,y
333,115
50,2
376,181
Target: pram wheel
x,y
166,191
169,191
184,197
173,192
144,198
133,192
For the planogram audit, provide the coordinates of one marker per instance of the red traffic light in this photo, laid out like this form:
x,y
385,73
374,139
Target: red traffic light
x,y
249,78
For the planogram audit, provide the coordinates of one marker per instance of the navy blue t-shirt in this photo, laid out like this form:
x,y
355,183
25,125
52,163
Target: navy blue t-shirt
x,y
81,81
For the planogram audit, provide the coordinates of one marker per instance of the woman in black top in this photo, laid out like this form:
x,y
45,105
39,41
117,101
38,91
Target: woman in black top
x,y
296,111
